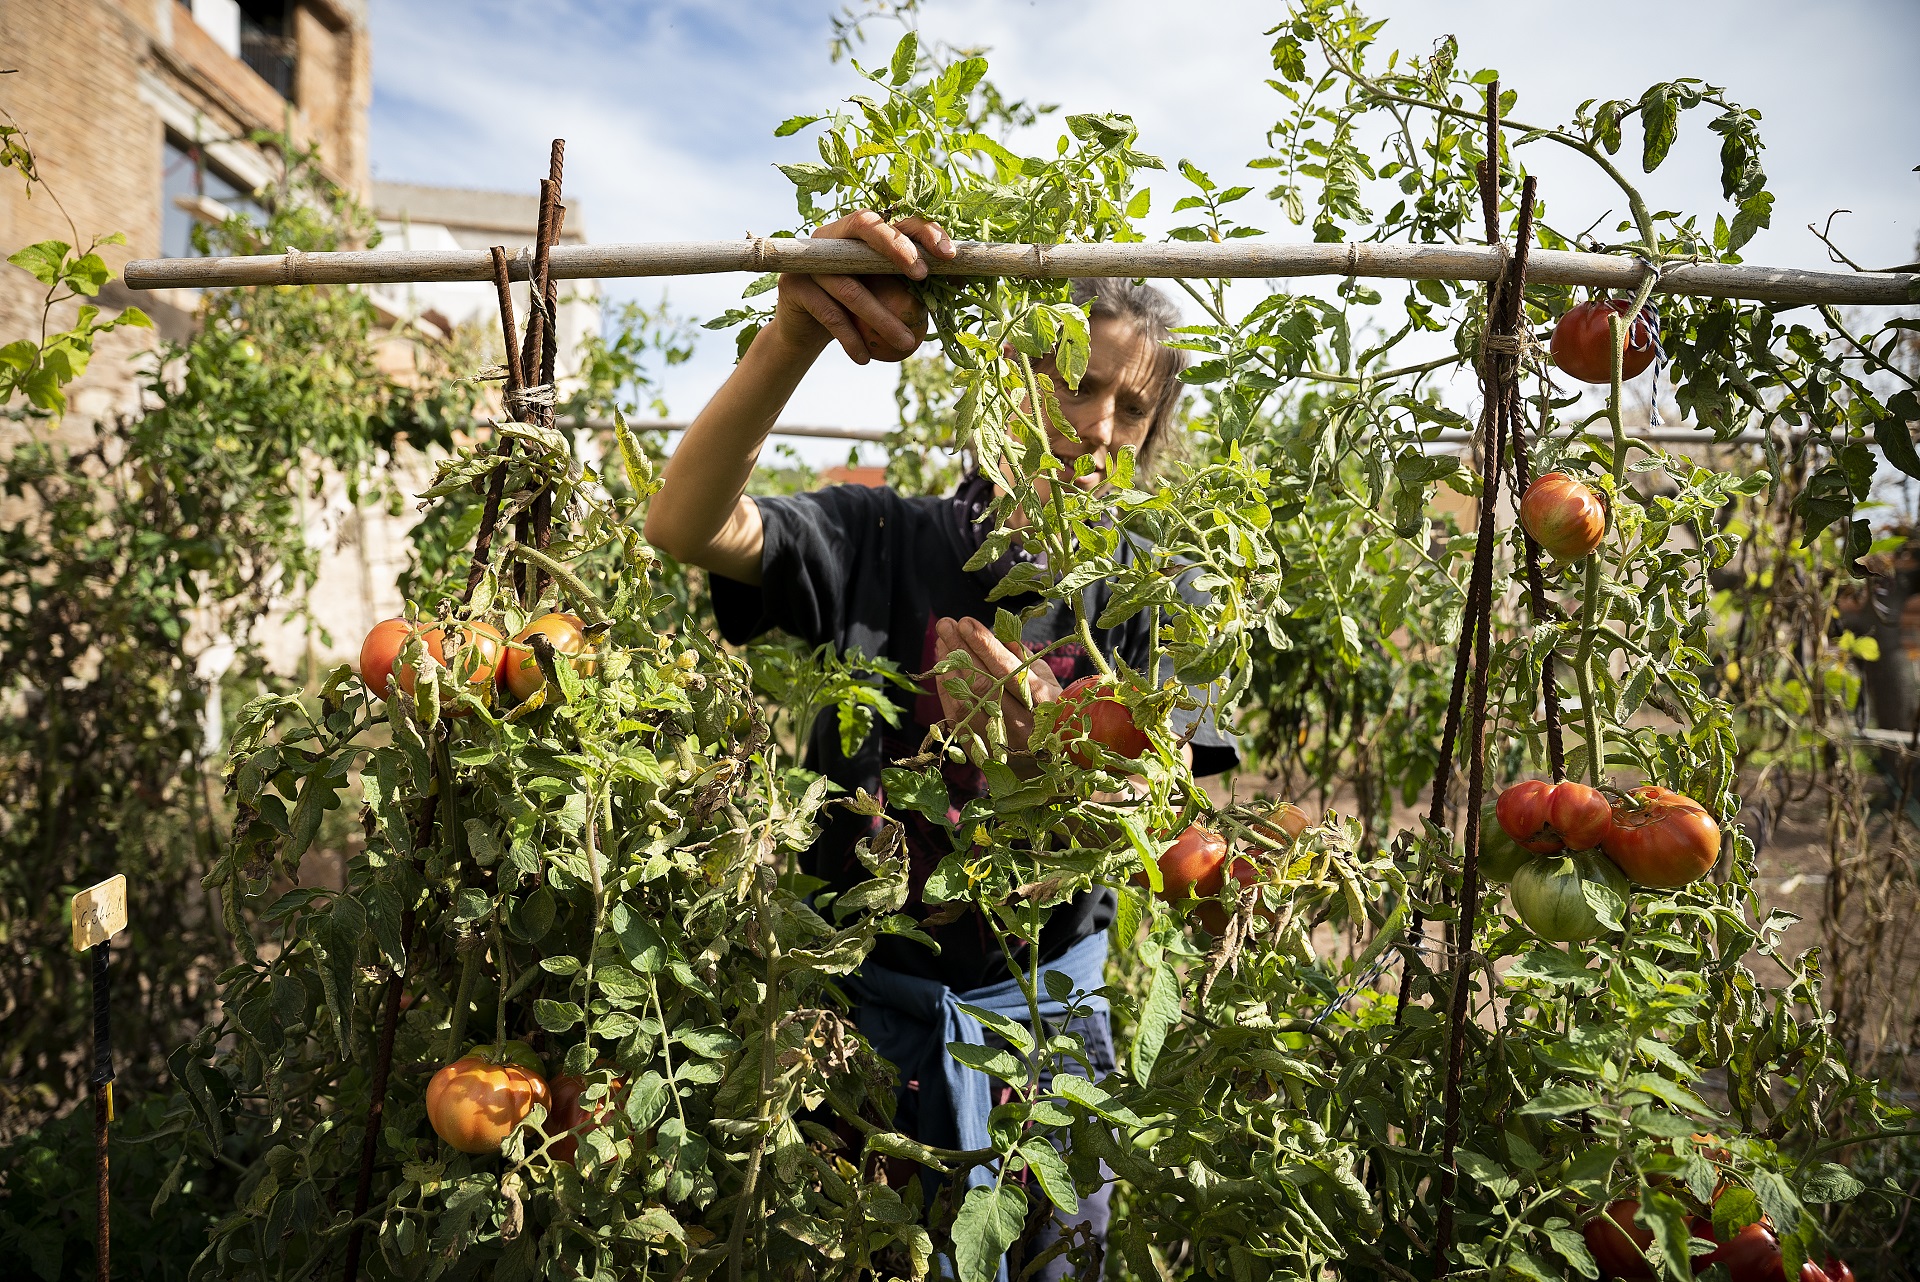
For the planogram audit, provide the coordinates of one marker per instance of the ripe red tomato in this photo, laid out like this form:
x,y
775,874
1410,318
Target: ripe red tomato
x,y
1547,818
1666,840
570,1118
1581,815
893,292
474,1104
1811,1272
381,650
1618,1244
1195,863
520,670
1583,347
1522,812
1838,1270
1564,516
1088,711
1751,1255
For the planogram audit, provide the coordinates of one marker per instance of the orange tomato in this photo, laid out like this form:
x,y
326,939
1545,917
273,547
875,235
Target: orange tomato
x,y
474,1104
381,650
520,670
1284,824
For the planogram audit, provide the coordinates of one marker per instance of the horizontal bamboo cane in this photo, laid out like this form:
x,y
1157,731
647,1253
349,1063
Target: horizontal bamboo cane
x,y
1051,262
1447,436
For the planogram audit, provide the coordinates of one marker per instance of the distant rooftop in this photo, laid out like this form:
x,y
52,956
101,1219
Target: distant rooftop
x,y
476,218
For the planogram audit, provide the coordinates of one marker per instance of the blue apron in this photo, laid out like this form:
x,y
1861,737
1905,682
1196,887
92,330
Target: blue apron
x,y
910,1020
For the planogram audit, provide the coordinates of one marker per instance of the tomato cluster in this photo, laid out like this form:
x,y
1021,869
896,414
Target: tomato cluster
x,y
1652,836
478,655
1752,1254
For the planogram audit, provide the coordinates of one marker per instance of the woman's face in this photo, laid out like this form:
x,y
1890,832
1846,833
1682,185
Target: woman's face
x,y
1113,406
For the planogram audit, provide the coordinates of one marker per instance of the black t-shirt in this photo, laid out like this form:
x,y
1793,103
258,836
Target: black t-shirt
x,y
868,571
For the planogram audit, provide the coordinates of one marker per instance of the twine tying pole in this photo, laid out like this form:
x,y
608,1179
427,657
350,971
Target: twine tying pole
x,y
1201,261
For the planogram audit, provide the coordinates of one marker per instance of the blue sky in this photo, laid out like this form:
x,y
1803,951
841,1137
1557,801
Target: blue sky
x,y
668,107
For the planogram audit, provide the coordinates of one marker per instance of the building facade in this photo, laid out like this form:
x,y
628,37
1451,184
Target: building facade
x,y
141,116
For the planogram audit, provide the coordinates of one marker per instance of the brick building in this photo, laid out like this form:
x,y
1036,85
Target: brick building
x,y
139,113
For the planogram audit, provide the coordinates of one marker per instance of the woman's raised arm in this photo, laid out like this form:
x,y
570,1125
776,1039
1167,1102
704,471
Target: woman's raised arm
x,y
700,516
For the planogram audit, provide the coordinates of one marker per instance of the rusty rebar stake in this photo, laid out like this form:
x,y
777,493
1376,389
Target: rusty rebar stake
x,y
1499,381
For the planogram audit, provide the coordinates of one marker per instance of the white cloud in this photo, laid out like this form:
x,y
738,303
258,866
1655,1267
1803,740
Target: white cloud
x,y
668,109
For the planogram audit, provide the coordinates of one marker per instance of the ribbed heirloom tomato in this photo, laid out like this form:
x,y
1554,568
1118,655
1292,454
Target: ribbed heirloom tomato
x,y
520,669
1662,838
1583,347
1550,895
381,650
1088,711
474,1104
1564,516
1549,817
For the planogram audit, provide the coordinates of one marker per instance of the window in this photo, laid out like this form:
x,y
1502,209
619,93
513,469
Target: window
x,y
187,173
267,43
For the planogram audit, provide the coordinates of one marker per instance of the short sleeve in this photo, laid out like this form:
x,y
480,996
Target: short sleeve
x,y
808,558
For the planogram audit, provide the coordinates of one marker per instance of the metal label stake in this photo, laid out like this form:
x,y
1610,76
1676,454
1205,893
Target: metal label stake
x,y
99,913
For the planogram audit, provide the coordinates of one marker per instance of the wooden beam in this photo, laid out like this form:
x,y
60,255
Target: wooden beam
x,y
1238,259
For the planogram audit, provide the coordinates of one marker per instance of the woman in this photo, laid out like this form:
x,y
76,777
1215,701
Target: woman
x,y
872,571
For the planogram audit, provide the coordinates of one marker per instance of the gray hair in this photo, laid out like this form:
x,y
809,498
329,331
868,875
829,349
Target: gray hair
x,y
1154,315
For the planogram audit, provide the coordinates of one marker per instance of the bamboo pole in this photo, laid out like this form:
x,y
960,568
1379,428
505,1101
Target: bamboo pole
x,y
1205,261
1446,436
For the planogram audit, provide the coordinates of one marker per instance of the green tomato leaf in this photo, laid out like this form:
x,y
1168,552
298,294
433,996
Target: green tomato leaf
x,y
989,1222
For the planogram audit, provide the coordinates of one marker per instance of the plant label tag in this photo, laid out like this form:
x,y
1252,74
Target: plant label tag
x,y
100,912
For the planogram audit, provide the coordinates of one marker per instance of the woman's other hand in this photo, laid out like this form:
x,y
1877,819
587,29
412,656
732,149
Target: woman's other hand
x,y
872,317
993,670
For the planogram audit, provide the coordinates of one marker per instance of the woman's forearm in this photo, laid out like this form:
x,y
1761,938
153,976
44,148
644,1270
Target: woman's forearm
x,y
699,516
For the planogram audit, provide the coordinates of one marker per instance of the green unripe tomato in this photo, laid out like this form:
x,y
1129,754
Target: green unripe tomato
x,y
1549,894
1500,855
